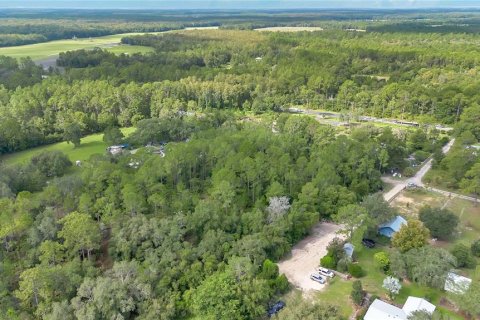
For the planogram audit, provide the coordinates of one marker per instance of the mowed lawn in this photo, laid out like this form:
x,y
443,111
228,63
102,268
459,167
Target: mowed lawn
x,y
338,291
92,144
44,50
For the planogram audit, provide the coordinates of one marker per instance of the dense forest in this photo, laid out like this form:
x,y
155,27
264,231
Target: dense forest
x,y
194,233
176,227
426,77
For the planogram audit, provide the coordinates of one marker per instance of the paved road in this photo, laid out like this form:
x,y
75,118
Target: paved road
x,y
416,179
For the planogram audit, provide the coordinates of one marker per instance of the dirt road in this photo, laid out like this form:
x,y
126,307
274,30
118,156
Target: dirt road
x,y
399,185
305,257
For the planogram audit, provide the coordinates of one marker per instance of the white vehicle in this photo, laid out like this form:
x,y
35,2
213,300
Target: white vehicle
x,y
318,278
326,272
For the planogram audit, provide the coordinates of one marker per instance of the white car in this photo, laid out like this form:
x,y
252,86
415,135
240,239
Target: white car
x,y
326,272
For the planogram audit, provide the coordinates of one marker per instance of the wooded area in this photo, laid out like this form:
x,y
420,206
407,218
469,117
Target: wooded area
x,y
193,231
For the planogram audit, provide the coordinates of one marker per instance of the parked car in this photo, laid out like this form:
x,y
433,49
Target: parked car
x,y
411,185
369,243
318,278
276,308
326,272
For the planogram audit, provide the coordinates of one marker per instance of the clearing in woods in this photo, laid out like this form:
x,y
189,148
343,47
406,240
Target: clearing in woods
x,y
92,144
44,50
289,29
306,255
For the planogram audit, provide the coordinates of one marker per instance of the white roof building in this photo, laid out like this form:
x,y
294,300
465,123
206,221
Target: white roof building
x,y
380,310
414,304
456,283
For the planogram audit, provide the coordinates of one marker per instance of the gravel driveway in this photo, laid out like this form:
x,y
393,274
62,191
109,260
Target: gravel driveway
x,y
305,257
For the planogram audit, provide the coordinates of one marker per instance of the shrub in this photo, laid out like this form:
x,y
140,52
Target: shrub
x,y
382,260
335,249
281,284
475,248
441,222
269,270
411,235
328,262
51,163
342,264
355,270
420,155
357,292
464,256
409,172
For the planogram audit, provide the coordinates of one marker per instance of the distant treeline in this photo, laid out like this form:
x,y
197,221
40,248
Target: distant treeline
x,y
15,39
459,26
14,32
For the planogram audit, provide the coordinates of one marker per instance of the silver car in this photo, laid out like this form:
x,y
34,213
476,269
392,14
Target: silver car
x,y
318,278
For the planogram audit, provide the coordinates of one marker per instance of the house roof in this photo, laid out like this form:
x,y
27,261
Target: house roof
x,y
348,248
456,283
395,224
414,304
384,311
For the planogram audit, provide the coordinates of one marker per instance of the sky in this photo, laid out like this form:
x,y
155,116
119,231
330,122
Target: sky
x,y
236,4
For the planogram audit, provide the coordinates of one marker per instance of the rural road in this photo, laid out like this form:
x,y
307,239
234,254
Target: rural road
x,y
325,114
399,185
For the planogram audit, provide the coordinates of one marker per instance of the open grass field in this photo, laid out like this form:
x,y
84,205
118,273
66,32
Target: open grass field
x,y
338,294
89,145
40,51
289,29
44,50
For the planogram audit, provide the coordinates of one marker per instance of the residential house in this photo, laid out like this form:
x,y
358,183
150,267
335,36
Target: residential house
x,y
414,304
380,310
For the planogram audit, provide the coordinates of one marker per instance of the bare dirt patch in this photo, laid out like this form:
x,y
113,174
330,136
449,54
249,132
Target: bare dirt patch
x,y
305,257
409,204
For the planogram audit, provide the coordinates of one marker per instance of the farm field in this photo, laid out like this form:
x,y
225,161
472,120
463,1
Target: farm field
x,y
39,51
90,145
289,29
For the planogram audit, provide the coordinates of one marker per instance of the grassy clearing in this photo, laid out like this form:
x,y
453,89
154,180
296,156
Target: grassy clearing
x,y
338,294
44,50
338,291
410,202
126,49
40,51
92,144
289,29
